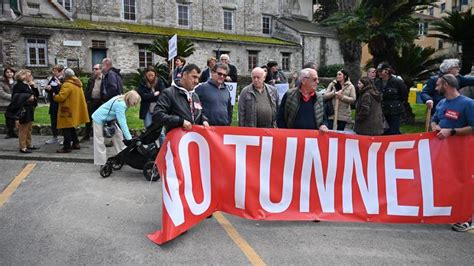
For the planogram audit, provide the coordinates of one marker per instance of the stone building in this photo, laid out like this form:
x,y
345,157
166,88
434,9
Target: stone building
x,y
79,33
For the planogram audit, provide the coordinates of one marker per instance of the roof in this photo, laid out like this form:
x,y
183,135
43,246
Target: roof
x,y
425,17
307,27
143,29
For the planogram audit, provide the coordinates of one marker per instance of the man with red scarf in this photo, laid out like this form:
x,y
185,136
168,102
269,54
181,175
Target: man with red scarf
x,y
303,108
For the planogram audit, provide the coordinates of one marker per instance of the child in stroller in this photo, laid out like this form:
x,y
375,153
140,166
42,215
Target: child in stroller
x,y
140,153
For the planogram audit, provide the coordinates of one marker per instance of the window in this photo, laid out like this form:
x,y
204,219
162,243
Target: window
x,y
253,60
228,20
266,25
145,57
464,2
431,11
36,50
440,44
67,4
98,44
423,28
129,8
443,7
183,15
285,61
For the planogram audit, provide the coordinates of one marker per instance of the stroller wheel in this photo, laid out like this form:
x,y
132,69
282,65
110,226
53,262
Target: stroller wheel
x,y
117,164
150,172
106,170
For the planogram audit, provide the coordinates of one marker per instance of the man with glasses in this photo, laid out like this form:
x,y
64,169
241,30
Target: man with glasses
x,y
303,107
454,116
258,102
93,98
215,97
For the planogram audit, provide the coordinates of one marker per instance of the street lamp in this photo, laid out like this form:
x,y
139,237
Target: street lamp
x,y
219,45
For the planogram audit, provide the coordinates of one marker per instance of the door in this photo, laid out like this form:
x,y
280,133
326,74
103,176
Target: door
x,y
98,55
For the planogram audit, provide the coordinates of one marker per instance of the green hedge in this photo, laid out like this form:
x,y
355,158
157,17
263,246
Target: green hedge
x,y
329,71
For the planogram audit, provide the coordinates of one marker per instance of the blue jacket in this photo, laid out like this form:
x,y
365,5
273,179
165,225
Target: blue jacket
x,y
429,89
117,108
148,96
216,103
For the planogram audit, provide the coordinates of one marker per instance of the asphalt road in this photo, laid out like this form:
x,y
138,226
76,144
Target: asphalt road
x,y
65,213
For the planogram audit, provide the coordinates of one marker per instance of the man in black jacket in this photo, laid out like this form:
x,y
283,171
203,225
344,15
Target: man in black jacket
x,y
112,84
178,105
232,77
394,94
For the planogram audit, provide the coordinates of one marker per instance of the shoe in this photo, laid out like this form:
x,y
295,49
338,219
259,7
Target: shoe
x,y
25,150
316,221
63,151
32,147
462,227
61,142
76,146
52,141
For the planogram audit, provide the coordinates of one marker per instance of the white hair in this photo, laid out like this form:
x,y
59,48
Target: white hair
x,y
224,56
304,73
448,64
69,73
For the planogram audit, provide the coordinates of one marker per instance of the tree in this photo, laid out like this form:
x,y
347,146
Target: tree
x,y
458,28
324,10
385,25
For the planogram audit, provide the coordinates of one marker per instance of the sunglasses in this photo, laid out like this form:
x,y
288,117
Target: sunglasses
x,y
314,80
221,74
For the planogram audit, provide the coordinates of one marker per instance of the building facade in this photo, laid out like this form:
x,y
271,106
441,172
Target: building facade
x,y
79,33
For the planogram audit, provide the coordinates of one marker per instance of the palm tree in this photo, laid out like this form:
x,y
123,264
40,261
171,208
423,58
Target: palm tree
x,y
385,25
160,47
458,28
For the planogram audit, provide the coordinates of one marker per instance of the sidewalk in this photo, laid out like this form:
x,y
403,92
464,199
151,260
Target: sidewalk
x,y
9,150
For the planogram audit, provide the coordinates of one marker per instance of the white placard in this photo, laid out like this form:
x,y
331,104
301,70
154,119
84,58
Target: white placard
x,y
173,47
232,87
282,89
61,61
72,43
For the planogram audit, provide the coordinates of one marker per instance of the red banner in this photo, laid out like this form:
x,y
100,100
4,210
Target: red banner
x,y
279,174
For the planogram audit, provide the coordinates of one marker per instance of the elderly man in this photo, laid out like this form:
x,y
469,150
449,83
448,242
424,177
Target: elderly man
x,y
93,98
178,105
454,116
430,94
303,108
215,97
232,77
112,83
258,102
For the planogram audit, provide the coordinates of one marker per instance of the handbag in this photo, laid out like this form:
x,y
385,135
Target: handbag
x,y
108,129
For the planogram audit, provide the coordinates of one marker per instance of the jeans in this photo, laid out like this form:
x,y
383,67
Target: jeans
x,y
393,122
340,124
148,120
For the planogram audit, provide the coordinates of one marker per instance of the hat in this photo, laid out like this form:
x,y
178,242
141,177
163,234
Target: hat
x,y
272,64
383,66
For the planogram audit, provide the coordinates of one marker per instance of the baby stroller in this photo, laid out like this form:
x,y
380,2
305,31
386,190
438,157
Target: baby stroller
x,y
139,154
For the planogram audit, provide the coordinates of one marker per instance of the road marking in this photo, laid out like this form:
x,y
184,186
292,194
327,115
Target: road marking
x,y
16,183
253,257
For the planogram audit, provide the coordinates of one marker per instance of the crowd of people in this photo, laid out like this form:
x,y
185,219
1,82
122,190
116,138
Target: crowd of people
x,y
196,98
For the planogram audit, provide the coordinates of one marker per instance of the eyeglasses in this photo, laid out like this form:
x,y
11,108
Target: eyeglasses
x,y
221,74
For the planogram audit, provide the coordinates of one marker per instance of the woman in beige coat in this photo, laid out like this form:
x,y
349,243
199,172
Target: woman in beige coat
x,y
72,110
342,90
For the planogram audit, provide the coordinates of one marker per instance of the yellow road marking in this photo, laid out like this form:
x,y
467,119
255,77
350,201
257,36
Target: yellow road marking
x,y
238,240
16,183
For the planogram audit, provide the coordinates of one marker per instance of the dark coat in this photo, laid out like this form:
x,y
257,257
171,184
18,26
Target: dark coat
x,y
20,95
55,88
232,72
146,92
369,118
112,84
204,75
172,108
394,94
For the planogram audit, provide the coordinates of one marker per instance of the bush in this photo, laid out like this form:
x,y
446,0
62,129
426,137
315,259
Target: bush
x,y
329,70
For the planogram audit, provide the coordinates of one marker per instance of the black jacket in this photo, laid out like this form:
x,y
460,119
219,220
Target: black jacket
x,y
147,95
53,106
394,93
232,72
204,75
172,108
112,84
20,95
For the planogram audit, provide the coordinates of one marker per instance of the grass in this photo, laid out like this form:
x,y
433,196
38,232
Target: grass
x,y
42,118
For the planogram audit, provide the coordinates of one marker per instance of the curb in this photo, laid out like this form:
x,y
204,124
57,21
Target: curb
x,y
47,159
